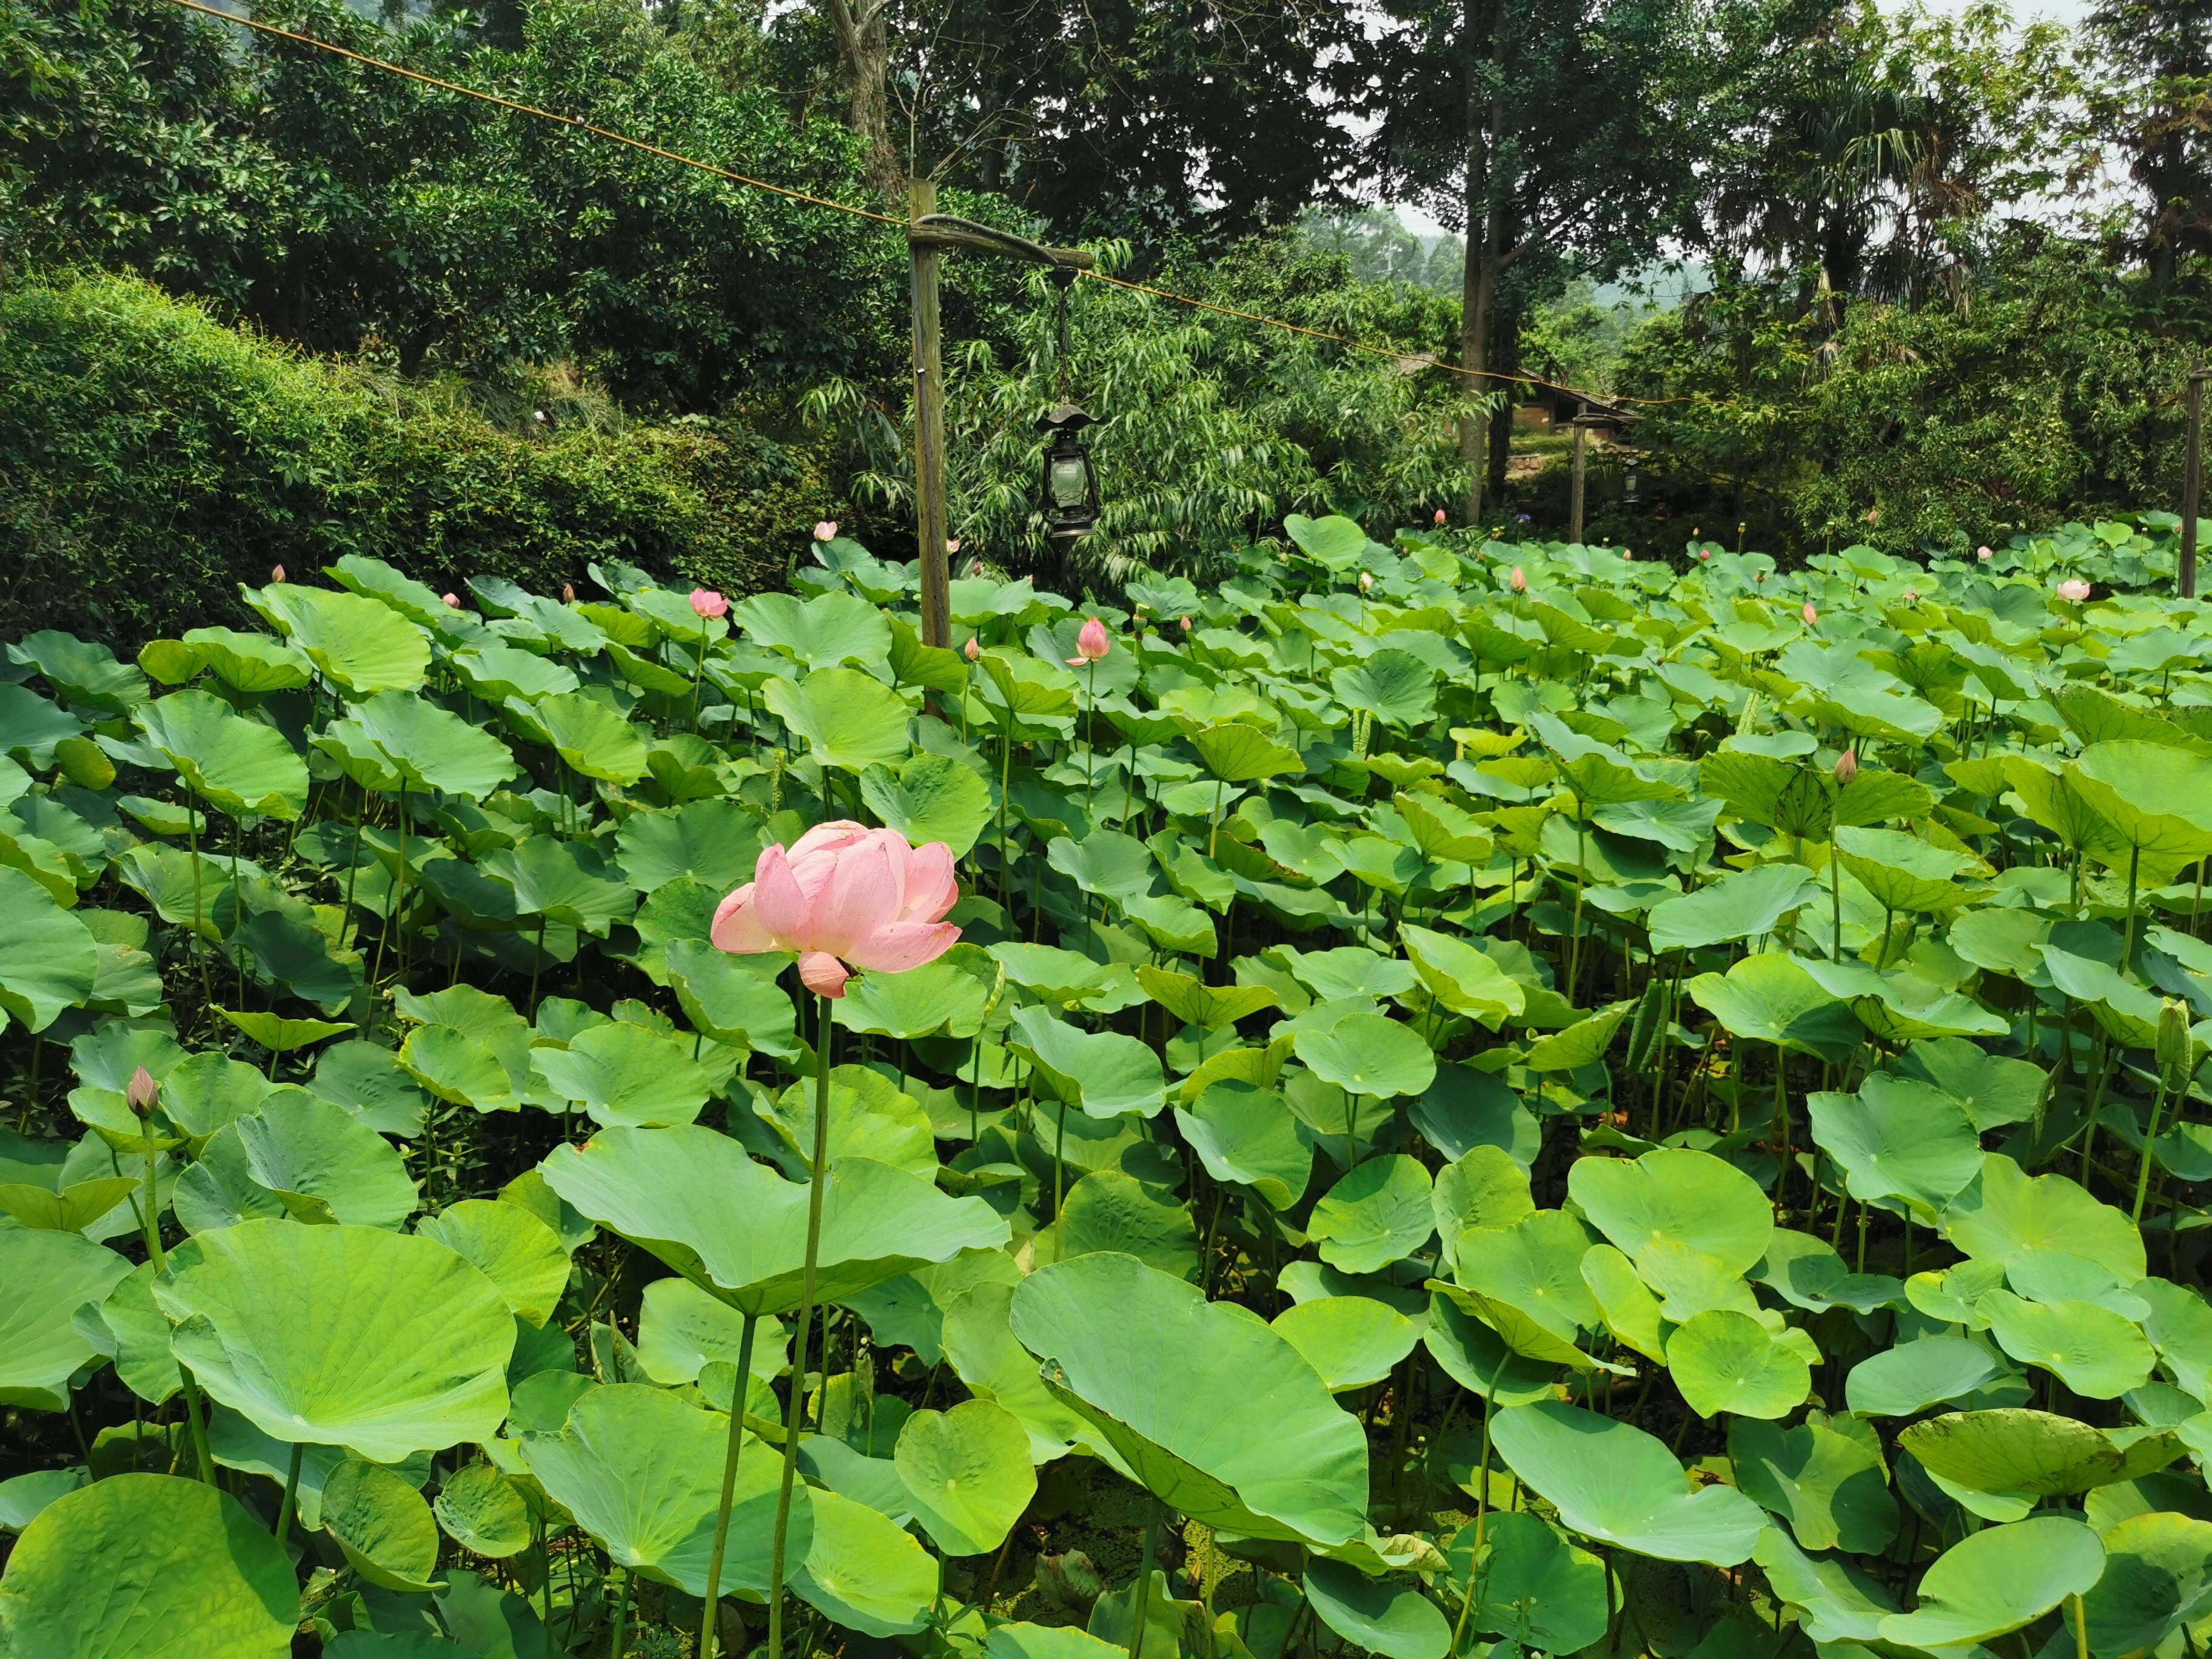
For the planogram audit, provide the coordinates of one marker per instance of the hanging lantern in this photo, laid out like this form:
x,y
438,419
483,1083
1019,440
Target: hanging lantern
x,y
1071,484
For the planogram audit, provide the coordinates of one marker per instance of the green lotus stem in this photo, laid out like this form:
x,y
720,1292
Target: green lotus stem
x,y
291,1494
199,945
400,902
1005,783
537,965
2080,1627
1142,1607
1213,829
1059,1141
1835,903
709,1630
1481,1500
150,1221
816,1173
2128,937
1782,1111
2142,1169
622,1614
1582,886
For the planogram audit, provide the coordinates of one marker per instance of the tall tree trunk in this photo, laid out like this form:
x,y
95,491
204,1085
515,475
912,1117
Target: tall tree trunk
x,y
1485,113
864,44
1505,355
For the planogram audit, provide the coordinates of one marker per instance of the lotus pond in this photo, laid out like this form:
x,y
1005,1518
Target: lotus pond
x,y
1485,1098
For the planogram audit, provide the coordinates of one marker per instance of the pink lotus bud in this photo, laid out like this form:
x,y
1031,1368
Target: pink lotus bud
x,y
975,567
1186,624
276,573
1812,616
1705,553
1440,517
142,1091
973,649
707,603
2073,589
1367,582
1912,595
453,601
1984,554
826,531
1518,582
1847,766
567,593
1628,553
1090,643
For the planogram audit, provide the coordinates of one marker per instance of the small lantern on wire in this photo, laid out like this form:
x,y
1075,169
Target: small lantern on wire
x,y
1071,484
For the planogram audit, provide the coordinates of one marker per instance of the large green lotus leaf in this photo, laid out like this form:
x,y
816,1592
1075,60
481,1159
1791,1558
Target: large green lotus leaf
x,y
24,1498
1768,998
2157,1578
87,674
237,764
1377,1214
2036,1454
865,1572
1824,1477
1465,980
641,1472
2157,798
1836,1601
49,960
1582,1043
1670,1196
564,882
1108,1210
1532,1263
627,1076
870,1117
1395,1620
1477,1358
1353,1341
481,1509
280,1033
822,632
369,1083
148,1566
278,1322
1395,687
1997,1580
1105,1073
1625,1302
1897,1138
324,1165
948,996
682,1330
980,1346
847,718
1024,1641
1611,1481
1532,1586
45,1276
1724,1360
361,644
1105,863
1367,1054
381,1524
1336,541
458,1068
1807,1272
591,738
495,673
2096,1352
509,1246
1234,752
731,1003
701,1203
967,1473
2007,1212
715,842
69,1209
931,798
1221,1417
1907,1379
431,747
1742,904
1243,1133
1027,687
1210,1007
1994,1089
1904,873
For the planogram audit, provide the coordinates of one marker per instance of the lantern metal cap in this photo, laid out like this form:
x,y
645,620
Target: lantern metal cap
x,y
1070,418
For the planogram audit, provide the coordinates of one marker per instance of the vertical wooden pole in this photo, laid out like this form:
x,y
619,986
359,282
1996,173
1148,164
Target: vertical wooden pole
x,y
1581,475
929,426
2192,483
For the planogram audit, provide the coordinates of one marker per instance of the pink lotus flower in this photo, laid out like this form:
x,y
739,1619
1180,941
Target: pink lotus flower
x,y
707,603
826,531
276,573
1367,582
1912,595
1705,553
951,546
1186,624
973,649
1847,766
567,593
2073,589
1440,517
975,567
1628,553
1518,582
1984,554
844,897
453,601
1090,643
1812,616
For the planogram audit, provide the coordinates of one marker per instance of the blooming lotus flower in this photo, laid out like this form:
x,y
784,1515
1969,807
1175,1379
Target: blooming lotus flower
x,y
276,573
826,531
1984,554
453,601
1090,643
973,649
1440,518
707,603
1812,616
2073,589
567,593
845,898
1518,582
1847,765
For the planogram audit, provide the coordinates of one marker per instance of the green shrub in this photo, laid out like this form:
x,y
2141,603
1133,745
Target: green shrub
x,y
151,459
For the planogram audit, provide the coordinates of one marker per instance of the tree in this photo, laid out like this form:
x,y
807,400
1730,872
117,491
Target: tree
x,y
2152,100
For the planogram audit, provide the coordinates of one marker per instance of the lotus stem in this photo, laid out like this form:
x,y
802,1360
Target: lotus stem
x,y
709,1630
1142,1607
1059,1220
818,1173
2080,1627
1481,1500
291,1494
2128,937
614,1644
2142,1167
150,1220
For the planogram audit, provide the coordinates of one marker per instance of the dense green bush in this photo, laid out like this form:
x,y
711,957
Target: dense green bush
x,y
151,459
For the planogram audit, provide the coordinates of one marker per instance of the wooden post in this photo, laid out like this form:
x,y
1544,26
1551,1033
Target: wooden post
x,y
2193,481
1581,475
930,513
